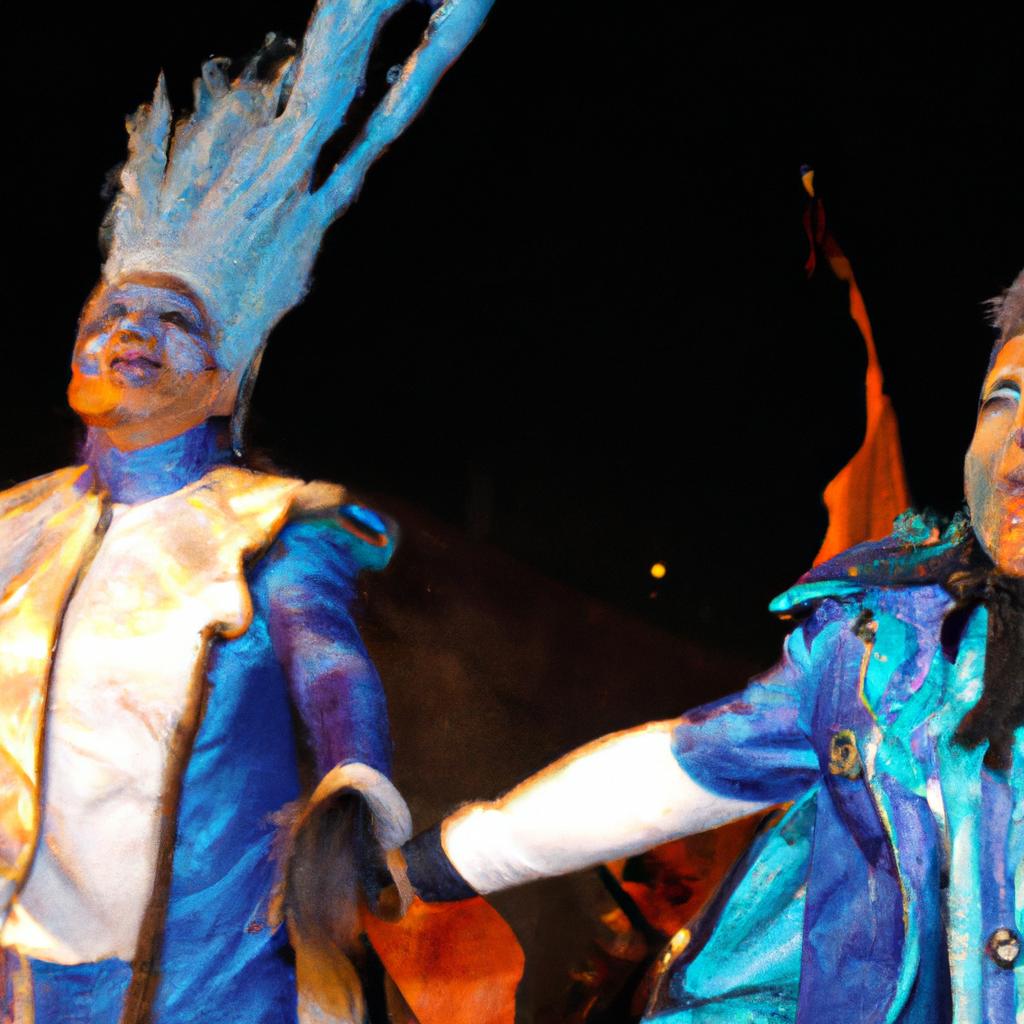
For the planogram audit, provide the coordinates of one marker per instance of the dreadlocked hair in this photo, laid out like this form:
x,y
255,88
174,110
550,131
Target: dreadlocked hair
x,y
1000,710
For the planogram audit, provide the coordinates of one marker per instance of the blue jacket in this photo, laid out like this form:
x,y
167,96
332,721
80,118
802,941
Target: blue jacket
x,y
873,899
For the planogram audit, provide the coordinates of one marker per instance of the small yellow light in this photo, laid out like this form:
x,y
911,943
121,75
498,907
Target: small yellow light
x,y
658,571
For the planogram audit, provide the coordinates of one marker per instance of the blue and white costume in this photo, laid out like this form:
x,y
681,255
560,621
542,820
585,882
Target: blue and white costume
x,y
168,623
164,615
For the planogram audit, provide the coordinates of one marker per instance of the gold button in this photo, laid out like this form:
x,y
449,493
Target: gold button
x,y
843,756
1004,947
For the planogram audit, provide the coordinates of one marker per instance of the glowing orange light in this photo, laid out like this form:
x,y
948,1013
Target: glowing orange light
x,y
658,571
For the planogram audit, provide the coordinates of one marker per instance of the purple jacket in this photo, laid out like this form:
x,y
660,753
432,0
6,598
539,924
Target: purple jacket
x,y
874,899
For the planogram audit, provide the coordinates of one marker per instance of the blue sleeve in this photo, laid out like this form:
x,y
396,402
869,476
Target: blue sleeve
x,y
756,744
308,582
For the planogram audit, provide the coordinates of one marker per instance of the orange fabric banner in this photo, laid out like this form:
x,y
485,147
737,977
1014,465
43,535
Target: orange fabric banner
x,y
454,963
871,490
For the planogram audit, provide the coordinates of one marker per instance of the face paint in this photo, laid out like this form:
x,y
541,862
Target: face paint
x,y
994,468
143,368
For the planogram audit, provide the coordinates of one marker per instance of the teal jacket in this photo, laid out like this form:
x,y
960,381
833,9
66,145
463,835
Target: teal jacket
x,y
874,899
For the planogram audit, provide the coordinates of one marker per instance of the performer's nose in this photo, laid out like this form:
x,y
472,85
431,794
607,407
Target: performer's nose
x,y
129,334
131,330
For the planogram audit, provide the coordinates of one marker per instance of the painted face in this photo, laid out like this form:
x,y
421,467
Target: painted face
x,y
143,368
994,469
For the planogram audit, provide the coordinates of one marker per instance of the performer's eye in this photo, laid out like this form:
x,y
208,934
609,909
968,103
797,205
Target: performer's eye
x,y
1004,391
115,312
172,316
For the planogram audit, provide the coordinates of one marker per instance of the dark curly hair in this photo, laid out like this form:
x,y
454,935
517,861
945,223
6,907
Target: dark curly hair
x,y
1000,710
1007,313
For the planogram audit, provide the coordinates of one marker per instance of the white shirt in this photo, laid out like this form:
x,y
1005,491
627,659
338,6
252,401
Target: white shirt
x,y
128,650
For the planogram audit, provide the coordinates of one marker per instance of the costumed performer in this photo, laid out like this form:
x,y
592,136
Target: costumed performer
x,y
166,613
892,889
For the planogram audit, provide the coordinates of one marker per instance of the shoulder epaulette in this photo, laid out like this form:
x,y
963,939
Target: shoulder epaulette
x,y
370,537
917,553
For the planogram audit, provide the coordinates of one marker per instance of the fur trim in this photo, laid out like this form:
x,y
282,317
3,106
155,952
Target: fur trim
x,y
340,844
392,823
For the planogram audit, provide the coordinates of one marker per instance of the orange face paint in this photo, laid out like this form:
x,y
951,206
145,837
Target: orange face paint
x,y
994,468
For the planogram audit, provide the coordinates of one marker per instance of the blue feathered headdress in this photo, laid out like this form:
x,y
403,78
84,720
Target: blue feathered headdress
x,y
223,200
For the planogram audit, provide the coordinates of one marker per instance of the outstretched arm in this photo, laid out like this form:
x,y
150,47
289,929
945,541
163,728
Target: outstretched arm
x,y
613,798
633,790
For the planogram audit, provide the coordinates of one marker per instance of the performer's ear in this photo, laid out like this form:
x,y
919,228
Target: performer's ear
x,y
237,398
224,403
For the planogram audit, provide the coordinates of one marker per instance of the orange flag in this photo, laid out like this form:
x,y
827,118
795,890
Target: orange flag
x,y
454,963
870,491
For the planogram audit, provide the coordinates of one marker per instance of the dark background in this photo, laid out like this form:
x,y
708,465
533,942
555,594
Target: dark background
x,y
566,332
569,314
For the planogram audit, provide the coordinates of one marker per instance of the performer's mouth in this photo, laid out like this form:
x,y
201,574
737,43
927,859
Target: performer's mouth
x,y
135,366
1014,482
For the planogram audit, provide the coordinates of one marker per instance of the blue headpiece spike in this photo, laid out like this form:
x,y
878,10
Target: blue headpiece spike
x,y
224,202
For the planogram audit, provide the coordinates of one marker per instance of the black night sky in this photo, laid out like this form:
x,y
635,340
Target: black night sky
x,y
569,314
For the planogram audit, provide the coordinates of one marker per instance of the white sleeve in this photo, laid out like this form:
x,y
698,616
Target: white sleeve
x,y
612,798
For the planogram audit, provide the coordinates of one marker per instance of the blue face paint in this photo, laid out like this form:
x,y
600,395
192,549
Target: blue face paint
x,y
149,325
143,367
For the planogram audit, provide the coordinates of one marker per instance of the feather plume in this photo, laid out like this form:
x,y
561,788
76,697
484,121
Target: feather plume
x,y
223,201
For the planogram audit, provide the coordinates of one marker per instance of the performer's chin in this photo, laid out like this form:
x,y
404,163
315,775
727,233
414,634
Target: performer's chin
x,y
1009,556
1002,533
94,399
